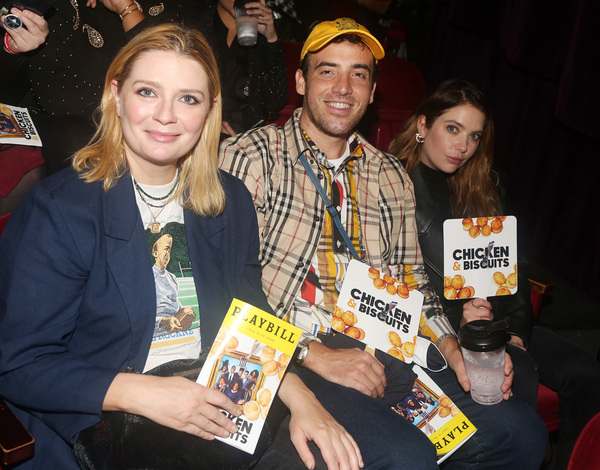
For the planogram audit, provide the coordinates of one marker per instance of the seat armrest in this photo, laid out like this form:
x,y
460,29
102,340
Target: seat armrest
x,y
16,444
540,285
538,288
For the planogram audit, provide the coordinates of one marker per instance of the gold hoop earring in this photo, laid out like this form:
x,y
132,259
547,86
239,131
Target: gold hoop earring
x,y
419,138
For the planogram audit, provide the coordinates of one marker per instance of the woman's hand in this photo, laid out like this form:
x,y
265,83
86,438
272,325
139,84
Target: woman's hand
x,y
509,375
227,129
130,19
175,402
32,36
264,16
116,6
311,422
476,309
451,351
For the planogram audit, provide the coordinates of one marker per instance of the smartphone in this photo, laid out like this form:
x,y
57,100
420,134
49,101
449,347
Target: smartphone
x,y
40,7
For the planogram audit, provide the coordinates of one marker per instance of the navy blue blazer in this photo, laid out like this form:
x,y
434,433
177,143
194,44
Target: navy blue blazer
x,y
77,297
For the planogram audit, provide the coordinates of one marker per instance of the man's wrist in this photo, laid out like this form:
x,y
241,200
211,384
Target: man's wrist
x,y
302,350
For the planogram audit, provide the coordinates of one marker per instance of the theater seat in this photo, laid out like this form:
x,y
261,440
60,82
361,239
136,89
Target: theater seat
x,y
400,89
16,444
586,453
3,221
547,398
548,407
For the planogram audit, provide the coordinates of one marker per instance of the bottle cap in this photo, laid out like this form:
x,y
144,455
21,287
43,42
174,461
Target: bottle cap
x,y
483,335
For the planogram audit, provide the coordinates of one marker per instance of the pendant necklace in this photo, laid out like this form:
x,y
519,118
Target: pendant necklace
x,y
155,225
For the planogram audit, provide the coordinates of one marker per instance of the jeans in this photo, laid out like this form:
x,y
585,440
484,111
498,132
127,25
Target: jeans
x,y
510,435
386,441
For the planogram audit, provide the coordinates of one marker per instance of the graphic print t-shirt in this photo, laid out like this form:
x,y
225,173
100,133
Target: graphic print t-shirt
x,y
177,320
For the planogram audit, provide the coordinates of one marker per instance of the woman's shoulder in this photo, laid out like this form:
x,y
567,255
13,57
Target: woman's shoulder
x,y
238,198
232,185
67,179
67,188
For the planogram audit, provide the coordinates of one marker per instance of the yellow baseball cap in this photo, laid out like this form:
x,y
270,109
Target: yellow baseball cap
x,y
324,32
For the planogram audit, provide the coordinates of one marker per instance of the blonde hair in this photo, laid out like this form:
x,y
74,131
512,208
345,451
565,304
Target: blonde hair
x,y
103,159
472,187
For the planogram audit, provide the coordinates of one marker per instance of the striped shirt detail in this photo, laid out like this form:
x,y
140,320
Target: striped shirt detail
x,y
291,214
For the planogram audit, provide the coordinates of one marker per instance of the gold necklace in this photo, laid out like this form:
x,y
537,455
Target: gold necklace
x,y
155,225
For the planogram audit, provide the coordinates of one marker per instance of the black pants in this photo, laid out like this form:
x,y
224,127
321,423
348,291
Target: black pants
x,y
568,369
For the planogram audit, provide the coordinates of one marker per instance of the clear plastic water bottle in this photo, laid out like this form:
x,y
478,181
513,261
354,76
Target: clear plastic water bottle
x,y
483,343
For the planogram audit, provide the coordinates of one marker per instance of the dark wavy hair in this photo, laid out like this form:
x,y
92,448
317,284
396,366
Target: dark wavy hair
x,y
473,186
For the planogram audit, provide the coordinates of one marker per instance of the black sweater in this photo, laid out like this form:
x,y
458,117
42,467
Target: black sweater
x,y
433,208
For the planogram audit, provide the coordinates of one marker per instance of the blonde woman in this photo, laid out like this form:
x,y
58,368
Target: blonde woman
x,y
92,261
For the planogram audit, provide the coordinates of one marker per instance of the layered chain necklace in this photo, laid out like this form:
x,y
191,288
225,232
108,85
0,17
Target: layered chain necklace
x,y
157,202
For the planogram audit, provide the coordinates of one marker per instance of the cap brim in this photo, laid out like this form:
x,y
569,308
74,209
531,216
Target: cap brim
x,y
374,46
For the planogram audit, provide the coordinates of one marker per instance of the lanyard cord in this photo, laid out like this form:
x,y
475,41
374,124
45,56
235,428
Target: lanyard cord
x,y
331,209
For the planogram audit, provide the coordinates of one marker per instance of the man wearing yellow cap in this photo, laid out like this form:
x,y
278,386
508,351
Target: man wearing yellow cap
x,y
305,254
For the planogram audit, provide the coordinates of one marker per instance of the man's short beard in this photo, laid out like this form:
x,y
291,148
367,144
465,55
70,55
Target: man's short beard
x,y
328,129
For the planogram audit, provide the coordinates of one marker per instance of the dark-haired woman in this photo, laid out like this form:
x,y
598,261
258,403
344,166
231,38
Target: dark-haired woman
x,y
447,147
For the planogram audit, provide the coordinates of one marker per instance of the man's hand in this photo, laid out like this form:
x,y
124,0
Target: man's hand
x,y
29,37
451,350
311,422
171,324
351,368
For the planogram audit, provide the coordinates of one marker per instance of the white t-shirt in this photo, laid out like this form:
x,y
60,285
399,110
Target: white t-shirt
x,y
177,318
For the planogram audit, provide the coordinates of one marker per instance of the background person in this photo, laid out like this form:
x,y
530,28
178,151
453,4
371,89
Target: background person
x,y
61,83
254,78
81,238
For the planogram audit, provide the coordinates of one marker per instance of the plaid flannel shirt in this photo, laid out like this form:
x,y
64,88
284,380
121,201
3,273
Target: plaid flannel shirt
x,y
290,215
